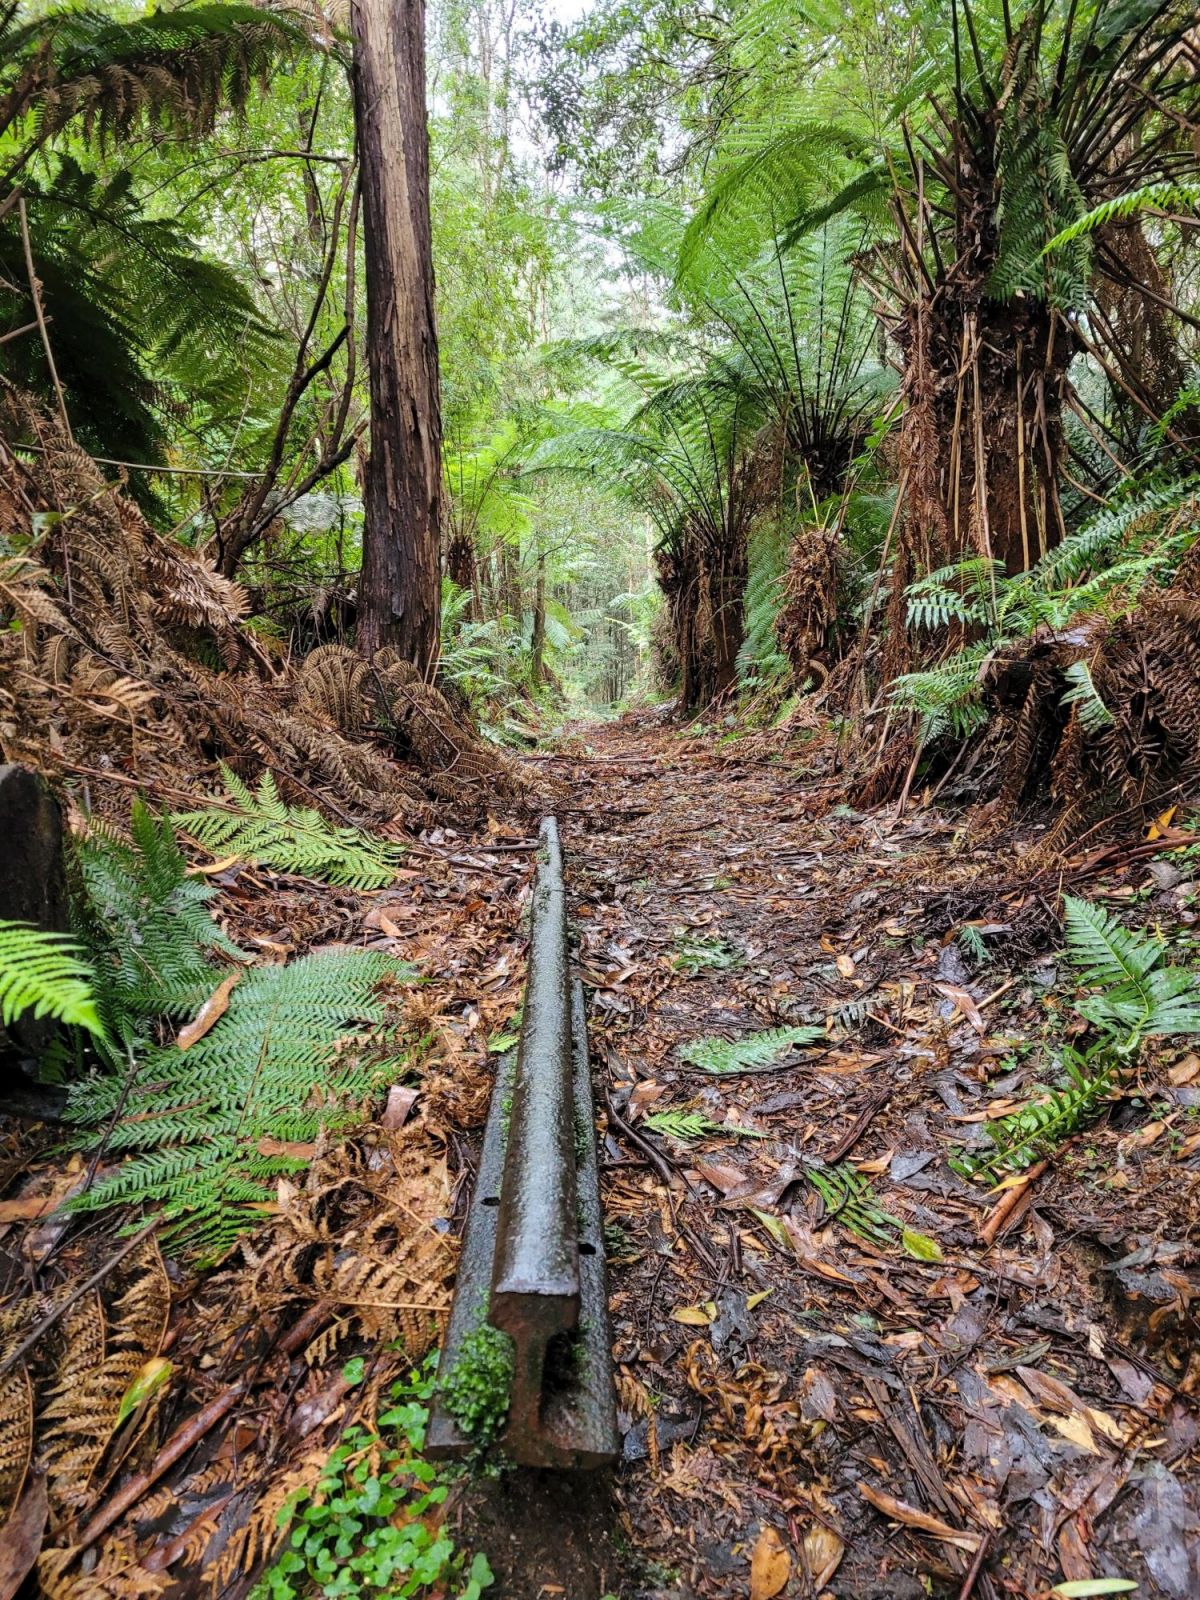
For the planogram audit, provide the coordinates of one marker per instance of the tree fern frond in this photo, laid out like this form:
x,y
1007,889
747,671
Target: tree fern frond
x,y
279,1064
687,1125
1093,713
718,1055
264,829
1151,196
43,973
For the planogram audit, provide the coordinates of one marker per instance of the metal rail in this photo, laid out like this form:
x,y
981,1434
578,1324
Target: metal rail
x,y
532,1261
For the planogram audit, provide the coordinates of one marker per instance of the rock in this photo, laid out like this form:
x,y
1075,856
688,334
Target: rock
x,y
33,879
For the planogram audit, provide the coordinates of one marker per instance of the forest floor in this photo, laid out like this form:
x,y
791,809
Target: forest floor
x,y
924,1387
957,1392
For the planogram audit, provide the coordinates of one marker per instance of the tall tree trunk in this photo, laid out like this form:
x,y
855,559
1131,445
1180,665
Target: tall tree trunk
x,y
538,643
399,594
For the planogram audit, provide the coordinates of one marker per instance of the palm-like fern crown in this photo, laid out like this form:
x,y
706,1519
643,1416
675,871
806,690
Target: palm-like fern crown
x,y
142,318
177,67
1044,111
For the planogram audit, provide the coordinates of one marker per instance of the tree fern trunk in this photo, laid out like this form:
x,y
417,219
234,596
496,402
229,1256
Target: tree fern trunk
x,y
399,593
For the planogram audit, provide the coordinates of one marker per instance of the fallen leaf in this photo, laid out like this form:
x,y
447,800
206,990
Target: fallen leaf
x,y
146,1381
845,966
1185,1071
723,1179
770,1565
964,1002
1077,1430
400,1102
1084,1588
911,1517
1155,831
645,1094
920,1245
696,1316
26,1208
213,1009
22,1539
823,1552
213,867
757,1299
384,917
293,1149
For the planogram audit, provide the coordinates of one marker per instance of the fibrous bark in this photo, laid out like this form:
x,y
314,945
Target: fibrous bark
x,y
399,598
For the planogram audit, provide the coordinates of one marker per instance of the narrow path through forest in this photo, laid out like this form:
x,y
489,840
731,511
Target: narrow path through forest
x,y
842,1367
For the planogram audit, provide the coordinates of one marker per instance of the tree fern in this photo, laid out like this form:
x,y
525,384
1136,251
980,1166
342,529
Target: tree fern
x,y
286,1060
260,827
756,1050
43,973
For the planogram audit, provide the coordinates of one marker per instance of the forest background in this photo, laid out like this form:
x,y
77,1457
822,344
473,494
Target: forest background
x,y
774,343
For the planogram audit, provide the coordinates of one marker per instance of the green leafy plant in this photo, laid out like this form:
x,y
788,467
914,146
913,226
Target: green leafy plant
x,y
44,973
1143,995
850,1200
147,926
1036,1130
718,1055
260,827
686,1125
371,1523
703,953
287,1059
476,1388
972,941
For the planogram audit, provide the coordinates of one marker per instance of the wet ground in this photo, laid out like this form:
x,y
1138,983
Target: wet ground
x,y
884,1380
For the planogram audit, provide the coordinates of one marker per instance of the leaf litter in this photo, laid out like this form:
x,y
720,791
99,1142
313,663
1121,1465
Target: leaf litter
x,y
910,1382
844,1367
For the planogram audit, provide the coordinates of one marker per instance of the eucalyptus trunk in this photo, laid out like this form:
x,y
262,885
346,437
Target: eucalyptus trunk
x,y
400,588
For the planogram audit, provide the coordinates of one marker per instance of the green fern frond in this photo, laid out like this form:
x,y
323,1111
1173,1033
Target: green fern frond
x,y
260,827
1024,1137
848,1196
696,953
688,1125
43,973
1152,196
282,1063
147,926
1142,996
1093,713
1104,951
756,1050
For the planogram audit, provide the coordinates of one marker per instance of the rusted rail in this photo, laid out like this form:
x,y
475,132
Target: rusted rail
x,y
532,1261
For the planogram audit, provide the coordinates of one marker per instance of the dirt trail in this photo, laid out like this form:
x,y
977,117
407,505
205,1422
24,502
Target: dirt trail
x,y
865,1397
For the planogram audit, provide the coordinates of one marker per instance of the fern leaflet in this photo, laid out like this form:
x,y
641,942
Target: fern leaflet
x,y
687,1125
43,973
260,827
